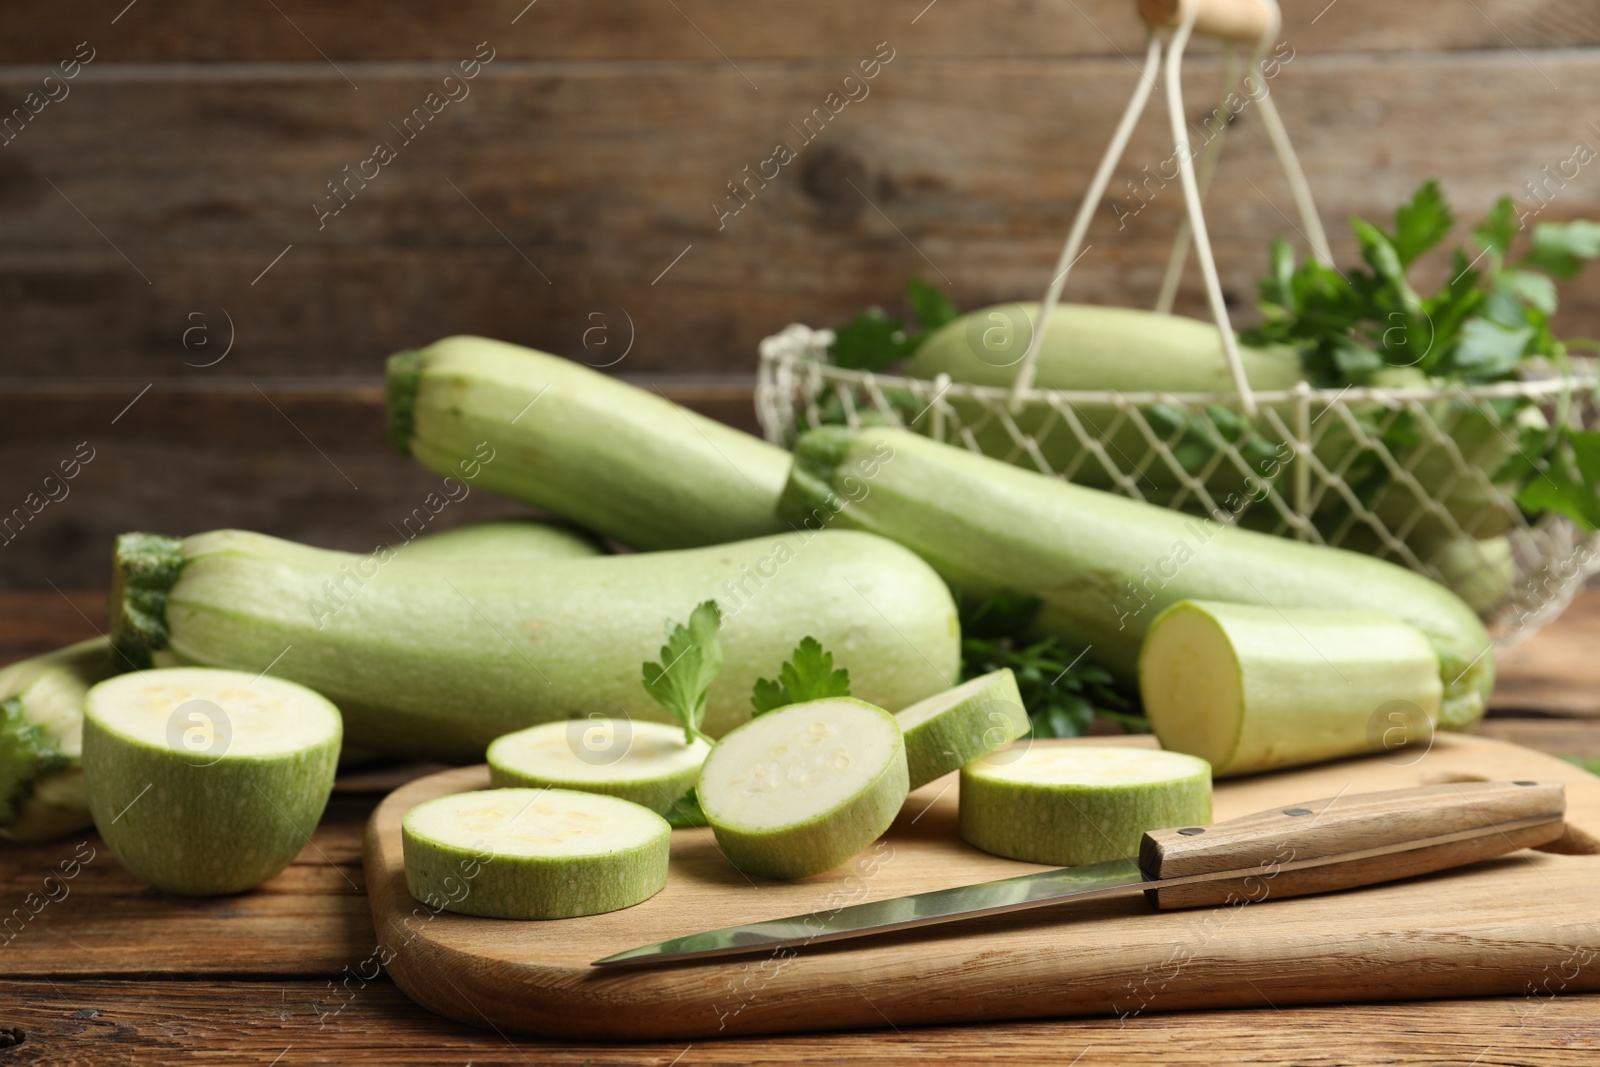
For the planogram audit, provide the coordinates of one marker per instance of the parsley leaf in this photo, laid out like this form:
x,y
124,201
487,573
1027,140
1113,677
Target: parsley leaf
x,y
808,675
1421,223
932,308
1489,350
686,811
873,341
1498,229
1567,483
690,660
1561,248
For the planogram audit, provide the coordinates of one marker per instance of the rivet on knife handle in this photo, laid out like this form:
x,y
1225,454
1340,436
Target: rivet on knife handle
x,y
1350,841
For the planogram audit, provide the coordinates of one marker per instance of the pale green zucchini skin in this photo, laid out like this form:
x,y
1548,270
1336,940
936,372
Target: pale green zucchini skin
x,y
1065,823
1479,572
440,665
474,878
619,460
1105,565
199,824
1096,348
1251,688
493,546
1092,347
41,739
507,541
975,718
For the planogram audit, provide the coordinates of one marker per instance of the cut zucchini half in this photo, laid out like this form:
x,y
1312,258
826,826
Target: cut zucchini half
x,y
1070,804
645,762
207,782
533,853
801,789
1251,688
951,729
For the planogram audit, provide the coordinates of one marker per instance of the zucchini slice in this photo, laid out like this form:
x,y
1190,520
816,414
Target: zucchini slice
x,y
1071,804
951,729
799,790
644,762
533,853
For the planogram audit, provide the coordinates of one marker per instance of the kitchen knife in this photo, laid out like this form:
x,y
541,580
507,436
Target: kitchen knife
x,y
1315,847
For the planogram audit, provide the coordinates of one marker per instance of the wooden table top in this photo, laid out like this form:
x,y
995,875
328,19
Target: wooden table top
x,y
115,973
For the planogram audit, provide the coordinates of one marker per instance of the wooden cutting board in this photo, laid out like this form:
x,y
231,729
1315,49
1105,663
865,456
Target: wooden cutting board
x,y
1526,923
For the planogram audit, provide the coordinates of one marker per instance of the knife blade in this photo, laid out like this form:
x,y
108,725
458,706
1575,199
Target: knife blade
x,y
1319,846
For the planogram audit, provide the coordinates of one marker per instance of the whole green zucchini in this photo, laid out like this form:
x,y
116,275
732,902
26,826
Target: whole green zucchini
x,y
1092,348
1105,565
438,663
619,460
41,740
1126,350
42,699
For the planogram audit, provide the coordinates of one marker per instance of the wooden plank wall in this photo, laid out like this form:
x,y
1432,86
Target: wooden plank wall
x,y
168,200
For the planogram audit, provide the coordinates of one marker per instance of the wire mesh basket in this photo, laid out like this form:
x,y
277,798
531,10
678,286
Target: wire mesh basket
x,y
1313,464
1407,474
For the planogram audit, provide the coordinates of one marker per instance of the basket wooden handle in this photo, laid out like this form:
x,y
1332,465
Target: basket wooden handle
x,y
1246,21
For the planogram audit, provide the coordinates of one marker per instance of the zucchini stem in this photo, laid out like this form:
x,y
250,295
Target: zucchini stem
x,y
404,375
144,569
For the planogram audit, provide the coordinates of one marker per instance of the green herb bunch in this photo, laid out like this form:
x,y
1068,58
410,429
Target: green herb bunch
x,y
1485,323
1062,690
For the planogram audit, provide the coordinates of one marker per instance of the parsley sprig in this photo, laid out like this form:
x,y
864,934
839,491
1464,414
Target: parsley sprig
x,y
809,674
690,661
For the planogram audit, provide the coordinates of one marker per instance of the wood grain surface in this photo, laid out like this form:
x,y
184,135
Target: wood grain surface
x,y
161,213
1557,671
301,30
95,1023
308,920
554,192
194,145
1487,929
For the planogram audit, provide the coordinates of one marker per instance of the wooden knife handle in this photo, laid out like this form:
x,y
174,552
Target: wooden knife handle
x,y
1297,849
